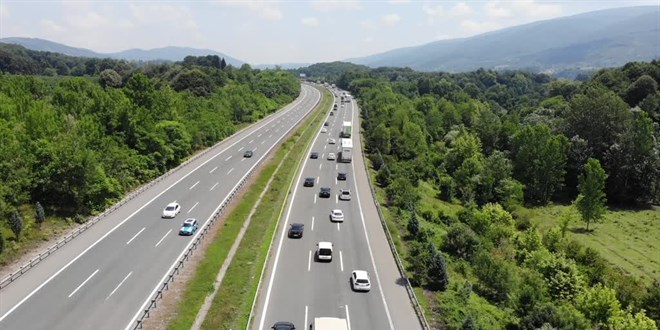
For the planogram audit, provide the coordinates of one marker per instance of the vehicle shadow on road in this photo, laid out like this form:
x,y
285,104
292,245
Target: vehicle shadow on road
x,y
401,281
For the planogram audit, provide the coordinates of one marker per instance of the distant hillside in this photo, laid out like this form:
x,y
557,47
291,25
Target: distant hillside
x,y
156,54
597,39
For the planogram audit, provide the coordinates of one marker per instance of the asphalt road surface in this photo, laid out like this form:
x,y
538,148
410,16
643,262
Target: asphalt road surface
x,y
105,277
296,287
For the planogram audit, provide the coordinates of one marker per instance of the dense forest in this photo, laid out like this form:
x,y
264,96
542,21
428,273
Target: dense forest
x,y
490,142
71,146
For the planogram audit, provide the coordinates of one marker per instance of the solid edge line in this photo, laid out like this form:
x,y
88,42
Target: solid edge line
x,y
286,220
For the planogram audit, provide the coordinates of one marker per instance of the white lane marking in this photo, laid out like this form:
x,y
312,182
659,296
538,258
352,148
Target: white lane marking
x,y
228,158
371,254
131,323
270,136
335,181
120,283
338,226
243,159
314,199
161,240
318,179
320,165
304,324
337,167
255,149
312,223
336,199
322,155
213,170
348,318
241,148
260,134
230,171
213,186
309,261
324,147
341,261
136,235
193,186
264,141
83,283
251,141
193,207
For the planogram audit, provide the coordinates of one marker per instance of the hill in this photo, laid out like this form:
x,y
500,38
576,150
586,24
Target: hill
x,y
156,54
597,39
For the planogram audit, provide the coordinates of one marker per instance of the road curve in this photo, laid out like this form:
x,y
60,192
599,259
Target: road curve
x,y
105,277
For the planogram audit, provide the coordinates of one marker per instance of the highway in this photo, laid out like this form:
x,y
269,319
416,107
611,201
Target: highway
x,y
105,277
297,288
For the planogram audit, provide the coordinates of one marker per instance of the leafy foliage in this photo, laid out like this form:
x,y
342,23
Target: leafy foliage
x,y
591,201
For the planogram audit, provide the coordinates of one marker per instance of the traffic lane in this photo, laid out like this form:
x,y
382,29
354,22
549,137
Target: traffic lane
x,y
400,306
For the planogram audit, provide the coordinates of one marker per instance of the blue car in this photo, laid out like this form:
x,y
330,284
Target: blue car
x,y
189,227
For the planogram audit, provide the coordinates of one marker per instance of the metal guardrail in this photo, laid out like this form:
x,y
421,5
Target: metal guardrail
x,y
170,278
402,271
82,228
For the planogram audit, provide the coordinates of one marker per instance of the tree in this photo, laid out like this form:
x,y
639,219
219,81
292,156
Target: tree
x,y
401,193
640,89
413,226
625,320
16,224
110,78
592,199
438,274
461,241
598,303
40,214
539,160
2,243
469,323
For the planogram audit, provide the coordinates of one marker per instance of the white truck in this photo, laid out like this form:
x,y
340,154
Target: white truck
x,y
346,153
346,130
329,323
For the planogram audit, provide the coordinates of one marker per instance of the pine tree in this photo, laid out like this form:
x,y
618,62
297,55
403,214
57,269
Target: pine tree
x,y
16,224
413,226
591,200
437,272
40,214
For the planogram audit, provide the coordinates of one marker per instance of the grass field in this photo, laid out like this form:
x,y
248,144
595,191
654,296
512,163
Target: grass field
x,y
231,306
626,238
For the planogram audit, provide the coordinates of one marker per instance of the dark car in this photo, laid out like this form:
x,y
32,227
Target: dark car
x,y
248,154
332,114
309,182
341,176
283,326
314,155
296,230
326,124
325,192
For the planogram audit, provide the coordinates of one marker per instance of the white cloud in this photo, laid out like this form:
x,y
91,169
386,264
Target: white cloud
x,y
267,10
433,12
479,27
442,36
390,19
310,21
369,39
327,6
399,1
368,25
4,12
522,9
51,27
461,9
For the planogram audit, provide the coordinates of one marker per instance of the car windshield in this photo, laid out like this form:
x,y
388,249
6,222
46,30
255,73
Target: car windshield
x,y
170,208
325,252
296,226
187,224
362,281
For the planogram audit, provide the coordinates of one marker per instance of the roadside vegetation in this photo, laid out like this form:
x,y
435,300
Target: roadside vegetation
x,y
72,146
519,201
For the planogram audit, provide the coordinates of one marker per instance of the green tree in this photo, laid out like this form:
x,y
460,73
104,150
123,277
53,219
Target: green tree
x,y
644,86
591,201
16,224
2,243
40,214
628,320
413,225
379,139
110,78
598,303
401,193
438,273
469,323
461,241
539,160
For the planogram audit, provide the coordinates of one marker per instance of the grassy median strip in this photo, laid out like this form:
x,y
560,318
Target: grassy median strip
x,y
231,307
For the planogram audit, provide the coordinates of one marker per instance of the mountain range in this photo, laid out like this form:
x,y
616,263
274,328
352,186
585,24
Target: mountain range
x,y
169,53
604,38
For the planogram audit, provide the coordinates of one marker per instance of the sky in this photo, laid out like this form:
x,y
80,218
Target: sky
x,y
275,32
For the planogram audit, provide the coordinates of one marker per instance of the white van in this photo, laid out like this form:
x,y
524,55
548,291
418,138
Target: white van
x,y
324,251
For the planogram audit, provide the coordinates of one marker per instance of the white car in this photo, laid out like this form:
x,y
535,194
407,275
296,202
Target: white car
x,y
324,130
332,141
171,210
331,156
360,280
345,194
337,215
324,251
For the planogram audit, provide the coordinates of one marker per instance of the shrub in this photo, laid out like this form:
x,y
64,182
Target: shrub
x,y
497,278
461,241
598,303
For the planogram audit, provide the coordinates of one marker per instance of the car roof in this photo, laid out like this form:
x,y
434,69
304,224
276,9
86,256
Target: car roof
x,y
173,204
325,188
325,245
190,220
297,224
337,211
361,274
309,179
